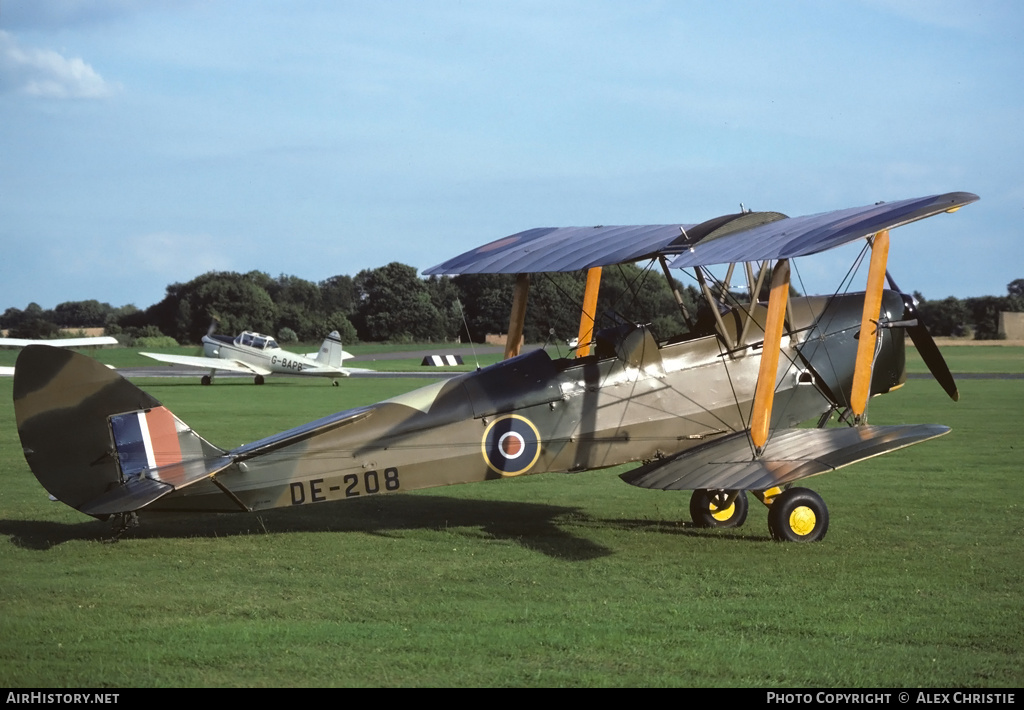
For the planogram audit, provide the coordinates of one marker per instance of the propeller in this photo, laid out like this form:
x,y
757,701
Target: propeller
x,y
201,350
924,343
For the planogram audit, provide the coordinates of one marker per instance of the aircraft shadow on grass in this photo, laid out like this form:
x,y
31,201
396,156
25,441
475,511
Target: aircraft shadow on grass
x,y
535,526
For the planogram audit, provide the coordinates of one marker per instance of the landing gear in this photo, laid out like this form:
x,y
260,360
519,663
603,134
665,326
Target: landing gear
x,y
206,380
798,515
258,379
122,523
714,509
334,382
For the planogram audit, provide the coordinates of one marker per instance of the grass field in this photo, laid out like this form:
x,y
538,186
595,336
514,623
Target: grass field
x,y
972,358
121,357
554,580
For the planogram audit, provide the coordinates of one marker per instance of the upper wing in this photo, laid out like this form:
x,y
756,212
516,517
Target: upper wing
x,y
562,249
210,363
59,342
791,454
740,237
810,234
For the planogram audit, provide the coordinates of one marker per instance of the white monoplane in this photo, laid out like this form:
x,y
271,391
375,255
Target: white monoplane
x,y
259,355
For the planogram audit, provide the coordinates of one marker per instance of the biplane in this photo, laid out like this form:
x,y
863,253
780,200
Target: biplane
x,y
252,353
717,410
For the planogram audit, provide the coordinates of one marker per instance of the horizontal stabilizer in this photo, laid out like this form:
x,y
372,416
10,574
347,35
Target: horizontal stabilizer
x,y
300,433
126,497
139,491
791,454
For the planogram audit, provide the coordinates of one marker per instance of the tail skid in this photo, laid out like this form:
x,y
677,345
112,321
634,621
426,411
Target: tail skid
x,y
98,443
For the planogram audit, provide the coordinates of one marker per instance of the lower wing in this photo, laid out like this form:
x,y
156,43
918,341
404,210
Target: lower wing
x,y
791,454
210,363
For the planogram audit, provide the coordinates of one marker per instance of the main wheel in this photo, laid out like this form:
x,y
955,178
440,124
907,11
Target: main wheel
x,y
708,509
206,380
798,515
258,379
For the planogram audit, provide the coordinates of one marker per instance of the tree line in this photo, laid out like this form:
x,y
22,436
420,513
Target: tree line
x,y
393,304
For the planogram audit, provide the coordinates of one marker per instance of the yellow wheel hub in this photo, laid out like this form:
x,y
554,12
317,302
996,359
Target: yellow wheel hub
x,y
802,520
724,514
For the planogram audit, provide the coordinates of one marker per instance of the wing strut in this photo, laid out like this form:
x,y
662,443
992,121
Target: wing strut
x,y
672,285
764,394
754,290
713,304
869,326
589,312
515,324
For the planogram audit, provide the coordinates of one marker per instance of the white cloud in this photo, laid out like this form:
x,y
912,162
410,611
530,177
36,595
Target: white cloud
x,y
48,74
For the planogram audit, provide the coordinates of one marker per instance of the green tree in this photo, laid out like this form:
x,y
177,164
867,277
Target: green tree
x,y
486,301
1015,290
32,323
236,301
444,296
554,307
985,315
643,296
948,317
338,294
394,305
299,306
82,314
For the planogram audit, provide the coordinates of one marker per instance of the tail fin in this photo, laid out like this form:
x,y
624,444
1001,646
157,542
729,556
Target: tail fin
x,y
331,354
97,442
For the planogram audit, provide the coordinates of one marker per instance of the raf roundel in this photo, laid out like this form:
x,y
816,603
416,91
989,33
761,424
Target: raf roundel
x,y
511,445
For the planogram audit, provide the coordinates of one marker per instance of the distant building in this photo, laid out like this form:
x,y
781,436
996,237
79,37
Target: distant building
x,y
1011,326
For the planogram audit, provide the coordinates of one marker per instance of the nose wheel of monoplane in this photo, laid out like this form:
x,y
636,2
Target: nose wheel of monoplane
x,y
798,515
718,509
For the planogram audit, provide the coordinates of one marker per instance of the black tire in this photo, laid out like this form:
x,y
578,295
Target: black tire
x,y
706,509
798,515
258,379
206,380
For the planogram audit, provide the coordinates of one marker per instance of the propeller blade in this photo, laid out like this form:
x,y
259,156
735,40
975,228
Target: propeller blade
x,y
929,351
925,344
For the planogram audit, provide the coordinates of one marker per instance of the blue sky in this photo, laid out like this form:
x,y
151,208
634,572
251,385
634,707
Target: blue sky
x,y
145,143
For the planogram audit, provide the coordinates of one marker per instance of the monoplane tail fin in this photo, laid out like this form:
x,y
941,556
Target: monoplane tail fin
x,y
331,353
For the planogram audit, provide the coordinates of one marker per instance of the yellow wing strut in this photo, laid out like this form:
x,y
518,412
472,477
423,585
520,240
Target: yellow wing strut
x,y
515,325
589,312
869,326
764,394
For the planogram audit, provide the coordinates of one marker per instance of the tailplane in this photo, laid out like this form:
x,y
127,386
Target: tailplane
x,y
97,442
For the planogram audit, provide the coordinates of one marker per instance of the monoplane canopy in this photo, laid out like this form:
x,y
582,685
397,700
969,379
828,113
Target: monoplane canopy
x,y
750,236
